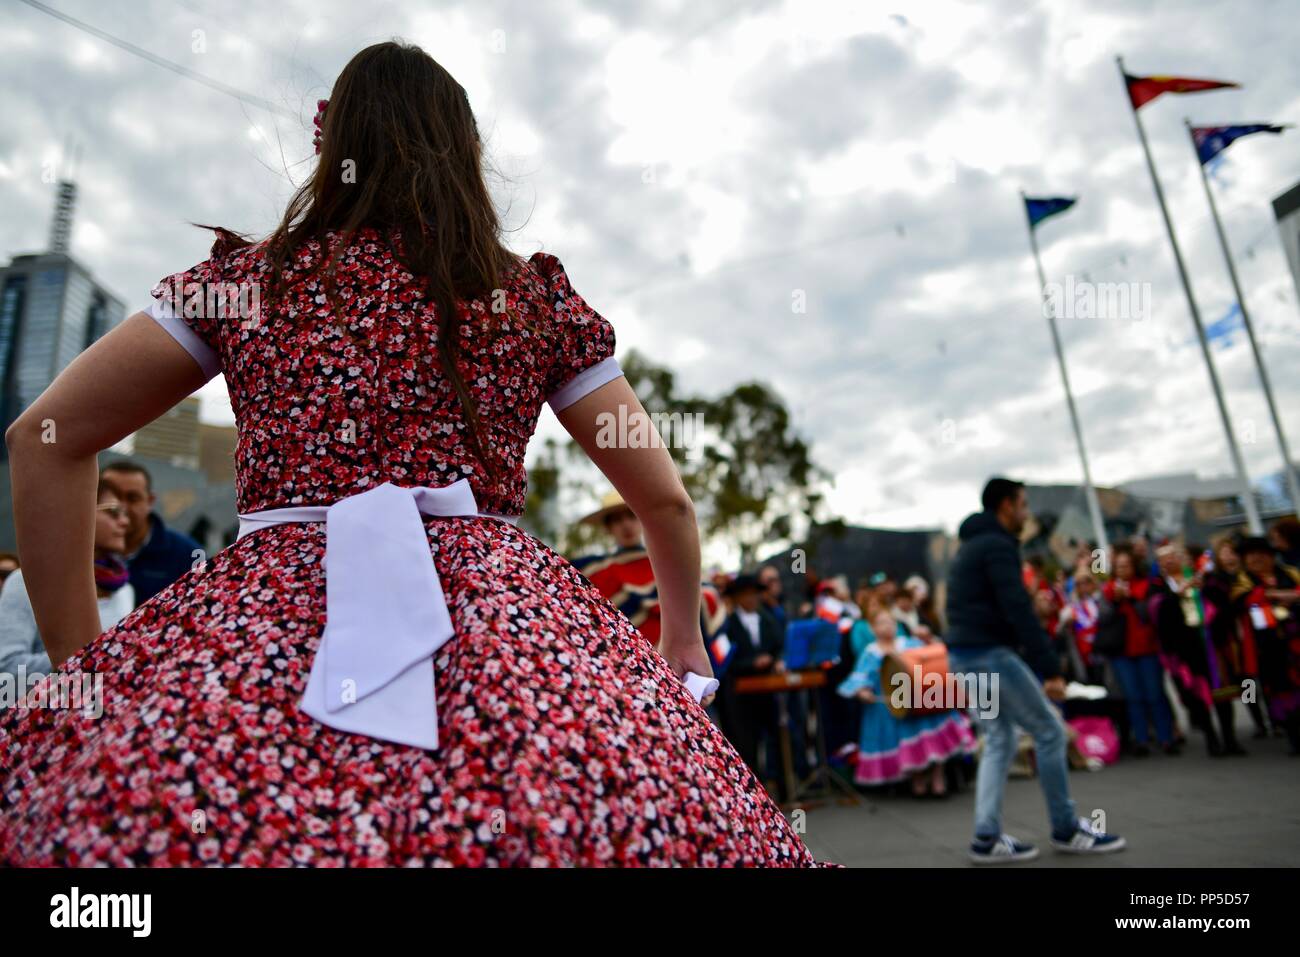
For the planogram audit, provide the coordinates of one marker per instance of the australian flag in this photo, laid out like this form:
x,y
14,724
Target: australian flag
x,y
1039,209
1213,140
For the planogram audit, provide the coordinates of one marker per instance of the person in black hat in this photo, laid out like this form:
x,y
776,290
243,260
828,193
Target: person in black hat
x,y
749,720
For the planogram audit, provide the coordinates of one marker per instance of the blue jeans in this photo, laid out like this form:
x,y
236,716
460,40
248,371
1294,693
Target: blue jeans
x,y
1020,702
1142,681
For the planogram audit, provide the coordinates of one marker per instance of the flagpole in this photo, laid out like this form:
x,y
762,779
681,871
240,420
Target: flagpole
x,y
1248,497
1090,490
1288,466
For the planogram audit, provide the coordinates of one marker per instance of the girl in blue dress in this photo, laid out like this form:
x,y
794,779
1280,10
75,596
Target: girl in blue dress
x,y
891,749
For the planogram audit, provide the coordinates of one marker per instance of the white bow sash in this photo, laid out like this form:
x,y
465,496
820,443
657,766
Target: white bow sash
x,y
386,614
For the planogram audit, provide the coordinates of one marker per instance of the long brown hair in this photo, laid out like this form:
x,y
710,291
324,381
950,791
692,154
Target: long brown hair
x,y
400,151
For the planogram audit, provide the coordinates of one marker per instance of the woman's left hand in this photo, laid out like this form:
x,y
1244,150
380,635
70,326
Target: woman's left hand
x,y
688,655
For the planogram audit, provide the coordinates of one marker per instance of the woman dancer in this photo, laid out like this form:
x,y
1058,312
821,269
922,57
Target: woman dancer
x,y
1234,646
1267,597
383,669
891,749
1181,617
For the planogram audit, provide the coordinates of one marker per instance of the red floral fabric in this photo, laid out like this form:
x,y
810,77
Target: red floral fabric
x,y
325,409
565,739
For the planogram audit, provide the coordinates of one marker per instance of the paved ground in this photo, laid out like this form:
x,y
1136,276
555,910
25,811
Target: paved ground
x,y
1175,812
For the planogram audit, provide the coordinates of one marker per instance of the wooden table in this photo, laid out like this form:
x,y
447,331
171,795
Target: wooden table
x,y
823,783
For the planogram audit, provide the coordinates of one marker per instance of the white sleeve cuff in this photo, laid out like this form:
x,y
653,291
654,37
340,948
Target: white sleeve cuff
x,y
203,354
586,381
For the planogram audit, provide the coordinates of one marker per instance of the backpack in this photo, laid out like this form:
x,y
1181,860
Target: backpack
x,y
1112,630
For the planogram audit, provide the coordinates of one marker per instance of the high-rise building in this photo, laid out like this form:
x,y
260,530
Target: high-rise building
x,y
51,308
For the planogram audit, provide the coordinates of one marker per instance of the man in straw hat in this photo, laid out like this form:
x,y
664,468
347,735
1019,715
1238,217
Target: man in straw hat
x,y
624,576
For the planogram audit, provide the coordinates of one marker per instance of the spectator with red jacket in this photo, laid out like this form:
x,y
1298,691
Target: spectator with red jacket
x,y
1134,651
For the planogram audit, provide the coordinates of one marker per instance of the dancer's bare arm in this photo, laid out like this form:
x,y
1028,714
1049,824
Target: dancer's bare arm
x,y
128,378
649,482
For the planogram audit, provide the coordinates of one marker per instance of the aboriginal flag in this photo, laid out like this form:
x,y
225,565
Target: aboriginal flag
x,y
1144,89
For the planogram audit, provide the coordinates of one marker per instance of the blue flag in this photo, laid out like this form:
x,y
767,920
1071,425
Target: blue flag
x,y
1213,140
1039,209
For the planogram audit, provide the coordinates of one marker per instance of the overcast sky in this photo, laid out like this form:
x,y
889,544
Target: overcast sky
x,y
697,165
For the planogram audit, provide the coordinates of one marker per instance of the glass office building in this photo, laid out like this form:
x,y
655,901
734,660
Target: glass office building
x,y
51,308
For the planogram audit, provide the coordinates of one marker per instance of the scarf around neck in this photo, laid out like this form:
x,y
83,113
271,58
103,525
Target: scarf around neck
x,y
111,573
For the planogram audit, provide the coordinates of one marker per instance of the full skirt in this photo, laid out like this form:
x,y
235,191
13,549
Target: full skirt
x,y
565,739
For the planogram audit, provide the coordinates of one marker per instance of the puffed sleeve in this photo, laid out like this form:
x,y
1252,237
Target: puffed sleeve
x,y
192,305
865,674
584,353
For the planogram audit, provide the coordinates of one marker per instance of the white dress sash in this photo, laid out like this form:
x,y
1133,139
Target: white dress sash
x,y
386,613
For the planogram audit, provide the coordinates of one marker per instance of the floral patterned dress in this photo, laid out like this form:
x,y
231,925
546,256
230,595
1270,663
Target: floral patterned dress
x,y
564,739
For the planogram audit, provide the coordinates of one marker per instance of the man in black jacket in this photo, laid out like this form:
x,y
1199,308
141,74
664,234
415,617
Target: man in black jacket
x,y
155,555
994,635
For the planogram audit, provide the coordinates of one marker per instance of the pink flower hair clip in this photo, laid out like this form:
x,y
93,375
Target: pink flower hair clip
x,y
318,119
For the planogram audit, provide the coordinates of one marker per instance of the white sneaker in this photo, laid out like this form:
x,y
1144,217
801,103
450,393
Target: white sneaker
x,y
1088,839
1004,849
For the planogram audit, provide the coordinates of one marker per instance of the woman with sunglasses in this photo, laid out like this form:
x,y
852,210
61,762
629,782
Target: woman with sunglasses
x,y
20,642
